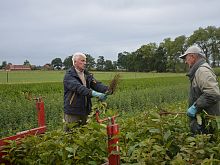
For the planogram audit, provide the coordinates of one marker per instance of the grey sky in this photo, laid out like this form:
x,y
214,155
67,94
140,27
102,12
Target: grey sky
x,y
41,30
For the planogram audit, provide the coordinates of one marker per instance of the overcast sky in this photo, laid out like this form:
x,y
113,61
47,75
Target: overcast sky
x,y
41,30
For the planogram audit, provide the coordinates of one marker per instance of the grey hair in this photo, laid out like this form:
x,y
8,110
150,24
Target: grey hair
x,y
199,56
77,55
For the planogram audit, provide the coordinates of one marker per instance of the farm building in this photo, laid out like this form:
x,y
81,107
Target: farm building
x,y
11,67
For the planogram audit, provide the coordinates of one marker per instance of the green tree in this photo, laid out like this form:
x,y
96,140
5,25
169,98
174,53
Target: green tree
x,y
57,63
68,63
90,62
160,59
171,53
4,64
178,48
130,62
214,44
115,65
145,57
26,62
108,65
209,40
100,63
122,61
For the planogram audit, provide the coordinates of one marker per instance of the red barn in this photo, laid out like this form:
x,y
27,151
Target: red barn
x,y
17,67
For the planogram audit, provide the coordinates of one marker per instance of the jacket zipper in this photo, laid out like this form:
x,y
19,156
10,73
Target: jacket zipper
x,y
71,100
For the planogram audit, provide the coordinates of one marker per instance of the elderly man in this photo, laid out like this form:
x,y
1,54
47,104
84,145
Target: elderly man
x,y
204,90
79,87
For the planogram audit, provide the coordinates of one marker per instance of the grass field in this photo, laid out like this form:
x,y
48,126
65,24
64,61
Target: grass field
x,y
16,110
14,77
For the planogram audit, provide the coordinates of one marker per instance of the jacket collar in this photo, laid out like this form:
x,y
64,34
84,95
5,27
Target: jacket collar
x,y
194,68
74,72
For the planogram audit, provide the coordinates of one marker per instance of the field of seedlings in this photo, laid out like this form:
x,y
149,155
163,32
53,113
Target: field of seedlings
x,y
146,137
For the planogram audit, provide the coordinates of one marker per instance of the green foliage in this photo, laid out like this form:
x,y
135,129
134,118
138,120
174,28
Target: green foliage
x,y
57,63
82,145
90,62
100,63
68,63
145,138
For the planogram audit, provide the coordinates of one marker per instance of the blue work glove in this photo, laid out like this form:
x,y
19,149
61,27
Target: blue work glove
x,y
101,96
191,112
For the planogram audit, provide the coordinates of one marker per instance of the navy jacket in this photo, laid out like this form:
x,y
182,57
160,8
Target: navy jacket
x,y
77,97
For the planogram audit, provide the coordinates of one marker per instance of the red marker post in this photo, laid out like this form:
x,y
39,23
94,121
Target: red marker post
x,y
113,140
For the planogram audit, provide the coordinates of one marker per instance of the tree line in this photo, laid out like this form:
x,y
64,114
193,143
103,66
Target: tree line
x,y
162,57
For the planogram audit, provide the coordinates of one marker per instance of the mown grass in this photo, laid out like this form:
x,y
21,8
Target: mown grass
x,y
13,77
57,76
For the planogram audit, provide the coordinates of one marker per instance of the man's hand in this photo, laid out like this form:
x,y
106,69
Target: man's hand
x,y
109,92
191,112
100,96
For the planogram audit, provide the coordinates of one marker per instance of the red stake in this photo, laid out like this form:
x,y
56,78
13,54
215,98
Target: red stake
x,y
112,132
40,111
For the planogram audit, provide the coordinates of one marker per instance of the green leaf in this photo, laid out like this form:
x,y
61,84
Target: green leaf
x,y
72,149
218,122
158,148
154,130
69,149
167,134
200,151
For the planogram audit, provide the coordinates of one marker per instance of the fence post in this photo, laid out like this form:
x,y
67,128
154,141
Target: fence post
x,y
7,76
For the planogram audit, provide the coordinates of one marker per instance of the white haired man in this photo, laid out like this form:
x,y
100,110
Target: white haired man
x,y
79,87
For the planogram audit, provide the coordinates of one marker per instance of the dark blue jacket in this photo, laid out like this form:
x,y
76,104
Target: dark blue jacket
x,y
77,97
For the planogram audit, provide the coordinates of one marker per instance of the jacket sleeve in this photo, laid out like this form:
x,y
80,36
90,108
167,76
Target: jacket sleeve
x,y
98,86
72,84
208,85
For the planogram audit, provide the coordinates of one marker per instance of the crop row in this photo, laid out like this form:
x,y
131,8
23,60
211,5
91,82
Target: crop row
x,y
18,110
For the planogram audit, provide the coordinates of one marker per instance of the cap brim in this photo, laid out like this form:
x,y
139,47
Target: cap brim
x,y
183,56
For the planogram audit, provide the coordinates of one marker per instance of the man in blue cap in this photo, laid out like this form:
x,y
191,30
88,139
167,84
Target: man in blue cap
x,y
204,93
